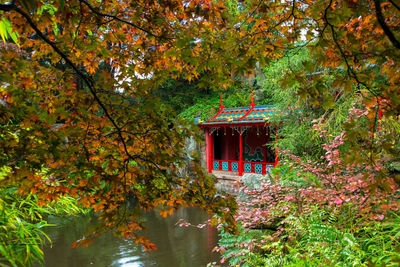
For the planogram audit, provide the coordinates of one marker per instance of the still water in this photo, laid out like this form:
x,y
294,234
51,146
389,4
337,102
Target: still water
x,y
176,246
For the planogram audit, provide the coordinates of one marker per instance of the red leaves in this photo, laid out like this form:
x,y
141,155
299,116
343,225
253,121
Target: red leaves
x,y
166,212
147,245
338,201
341,185
83,242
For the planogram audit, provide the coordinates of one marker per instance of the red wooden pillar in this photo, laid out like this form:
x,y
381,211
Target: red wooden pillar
x,y
265,150
210,151
240,152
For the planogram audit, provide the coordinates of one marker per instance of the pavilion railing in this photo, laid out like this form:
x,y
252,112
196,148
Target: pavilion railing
x,y
247,166
225,165
257,167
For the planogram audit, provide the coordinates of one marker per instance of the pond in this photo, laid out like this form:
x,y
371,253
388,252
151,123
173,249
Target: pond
x,y
176,246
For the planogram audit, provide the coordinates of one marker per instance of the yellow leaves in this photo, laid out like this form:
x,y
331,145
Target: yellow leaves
x,y
130,177
77,53
91,68
7,32
95,157
166,212
268,49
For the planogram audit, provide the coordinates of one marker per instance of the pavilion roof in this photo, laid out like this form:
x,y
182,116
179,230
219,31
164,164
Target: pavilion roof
x,y
240,115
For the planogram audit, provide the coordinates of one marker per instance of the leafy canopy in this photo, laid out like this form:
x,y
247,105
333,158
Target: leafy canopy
x,y
76,78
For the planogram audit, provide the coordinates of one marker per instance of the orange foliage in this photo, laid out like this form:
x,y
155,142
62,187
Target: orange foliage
x,y
77,89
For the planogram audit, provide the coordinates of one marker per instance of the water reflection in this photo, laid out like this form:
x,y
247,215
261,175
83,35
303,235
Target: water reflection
x,y
177,246
128,262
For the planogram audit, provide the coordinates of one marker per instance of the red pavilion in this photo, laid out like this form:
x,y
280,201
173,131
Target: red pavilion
x,y
237,140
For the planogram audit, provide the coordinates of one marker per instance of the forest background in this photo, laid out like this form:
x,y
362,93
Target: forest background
x,y
97,100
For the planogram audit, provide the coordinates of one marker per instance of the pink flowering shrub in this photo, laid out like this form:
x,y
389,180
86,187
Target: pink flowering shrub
x,y
341,209
330,183
342,196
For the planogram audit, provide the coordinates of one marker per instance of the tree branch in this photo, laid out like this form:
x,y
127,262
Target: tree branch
x,y
251,14
350,70
384,26
88,80
120,20
6,7
395,5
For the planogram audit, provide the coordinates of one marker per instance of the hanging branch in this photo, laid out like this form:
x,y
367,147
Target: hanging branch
x,y
120,20
384,26
88,80
350,70
395,5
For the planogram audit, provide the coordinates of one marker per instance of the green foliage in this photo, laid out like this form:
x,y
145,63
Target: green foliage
x,y
289,177
282,87
381,241
6,31
206,105
20,238
238,251
319,238
298,124
275,85
180,94
22,225
321,241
